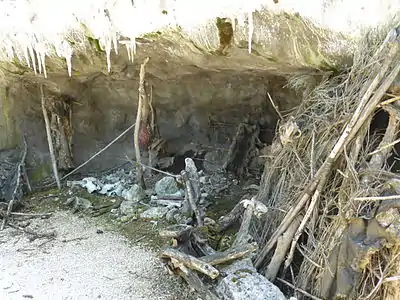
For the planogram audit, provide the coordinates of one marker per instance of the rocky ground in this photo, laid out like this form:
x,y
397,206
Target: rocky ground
x,y
106,240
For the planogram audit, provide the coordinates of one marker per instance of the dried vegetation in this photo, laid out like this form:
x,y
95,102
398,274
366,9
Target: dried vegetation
x,y
333,229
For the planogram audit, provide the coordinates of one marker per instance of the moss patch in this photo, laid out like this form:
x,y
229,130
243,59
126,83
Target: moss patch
x,y
40,172
134,230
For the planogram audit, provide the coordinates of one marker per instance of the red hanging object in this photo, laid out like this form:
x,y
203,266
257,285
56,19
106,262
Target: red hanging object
x,y
144,136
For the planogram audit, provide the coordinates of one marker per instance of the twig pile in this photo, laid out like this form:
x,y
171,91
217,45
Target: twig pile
x,y
21,179
327,157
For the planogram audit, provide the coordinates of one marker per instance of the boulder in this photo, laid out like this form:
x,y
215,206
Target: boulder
x,y
154,213
132,197
244,282
134,194
167,186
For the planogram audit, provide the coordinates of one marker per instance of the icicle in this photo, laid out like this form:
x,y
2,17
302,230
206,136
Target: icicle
x,y
32,54
115,43
162,5
65,50
128,49
107,44
67,53
41,54
241,19
10,50
39,59
69,64
27,56
251,29
44,65
133,48
133,41
233,20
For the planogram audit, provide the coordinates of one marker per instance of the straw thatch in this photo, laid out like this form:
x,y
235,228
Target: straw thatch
x,y
326,157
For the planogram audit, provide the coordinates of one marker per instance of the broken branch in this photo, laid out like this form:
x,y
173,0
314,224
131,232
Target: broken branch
x,y
191,262
229,255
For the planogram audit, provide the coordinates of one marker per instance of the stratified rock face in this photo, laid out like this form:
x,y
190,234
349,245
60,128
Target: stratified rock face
x,y
196,111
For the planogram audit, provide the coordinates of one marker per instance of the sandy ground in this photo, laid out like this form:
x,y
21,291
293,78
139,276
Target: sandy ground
x,y
80,264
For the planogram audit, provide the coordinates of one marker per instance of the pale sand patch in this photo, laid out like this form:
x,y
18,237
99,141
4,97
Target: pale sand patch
x,y
95,266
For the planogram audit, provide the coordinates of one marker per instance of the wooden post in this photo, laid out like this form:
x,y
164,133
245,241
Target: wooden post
x,y
142,101
49,139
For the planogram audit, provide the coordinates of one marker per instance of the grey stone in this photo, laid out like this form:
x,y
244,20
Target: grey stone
x,y
132,197
78,203
170,216
134,194
204,195
168,203
127,207
179,218
203,179
154,213
118,190
167,186
243,282
90,183
242,264
165,162
107,188
125,219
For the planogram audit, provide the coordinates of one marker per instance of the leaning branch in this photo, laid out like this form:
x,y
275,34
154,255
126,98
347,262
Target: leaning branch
x,y
191,262
141,102
49,139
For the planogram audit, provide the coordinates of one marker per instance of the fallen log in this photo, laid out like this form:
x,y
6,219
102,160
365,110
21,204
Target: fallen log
x,y
195,282
179,232
191,262
164,202
231,218
238,211
229,255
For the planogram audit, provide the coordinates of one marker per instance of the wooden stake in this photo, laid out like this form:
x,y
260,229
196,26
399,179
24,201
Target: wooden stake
x,y
49,139
141,102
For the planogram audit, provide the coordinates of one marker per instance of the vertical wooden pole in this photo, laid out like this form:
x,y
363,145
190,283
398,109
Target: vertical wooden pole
x,y
49,139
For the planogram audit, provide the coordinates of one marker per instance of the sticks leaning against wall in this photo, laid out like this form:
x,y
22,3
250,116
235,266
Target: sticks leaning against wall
x,y
366,107
21,178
